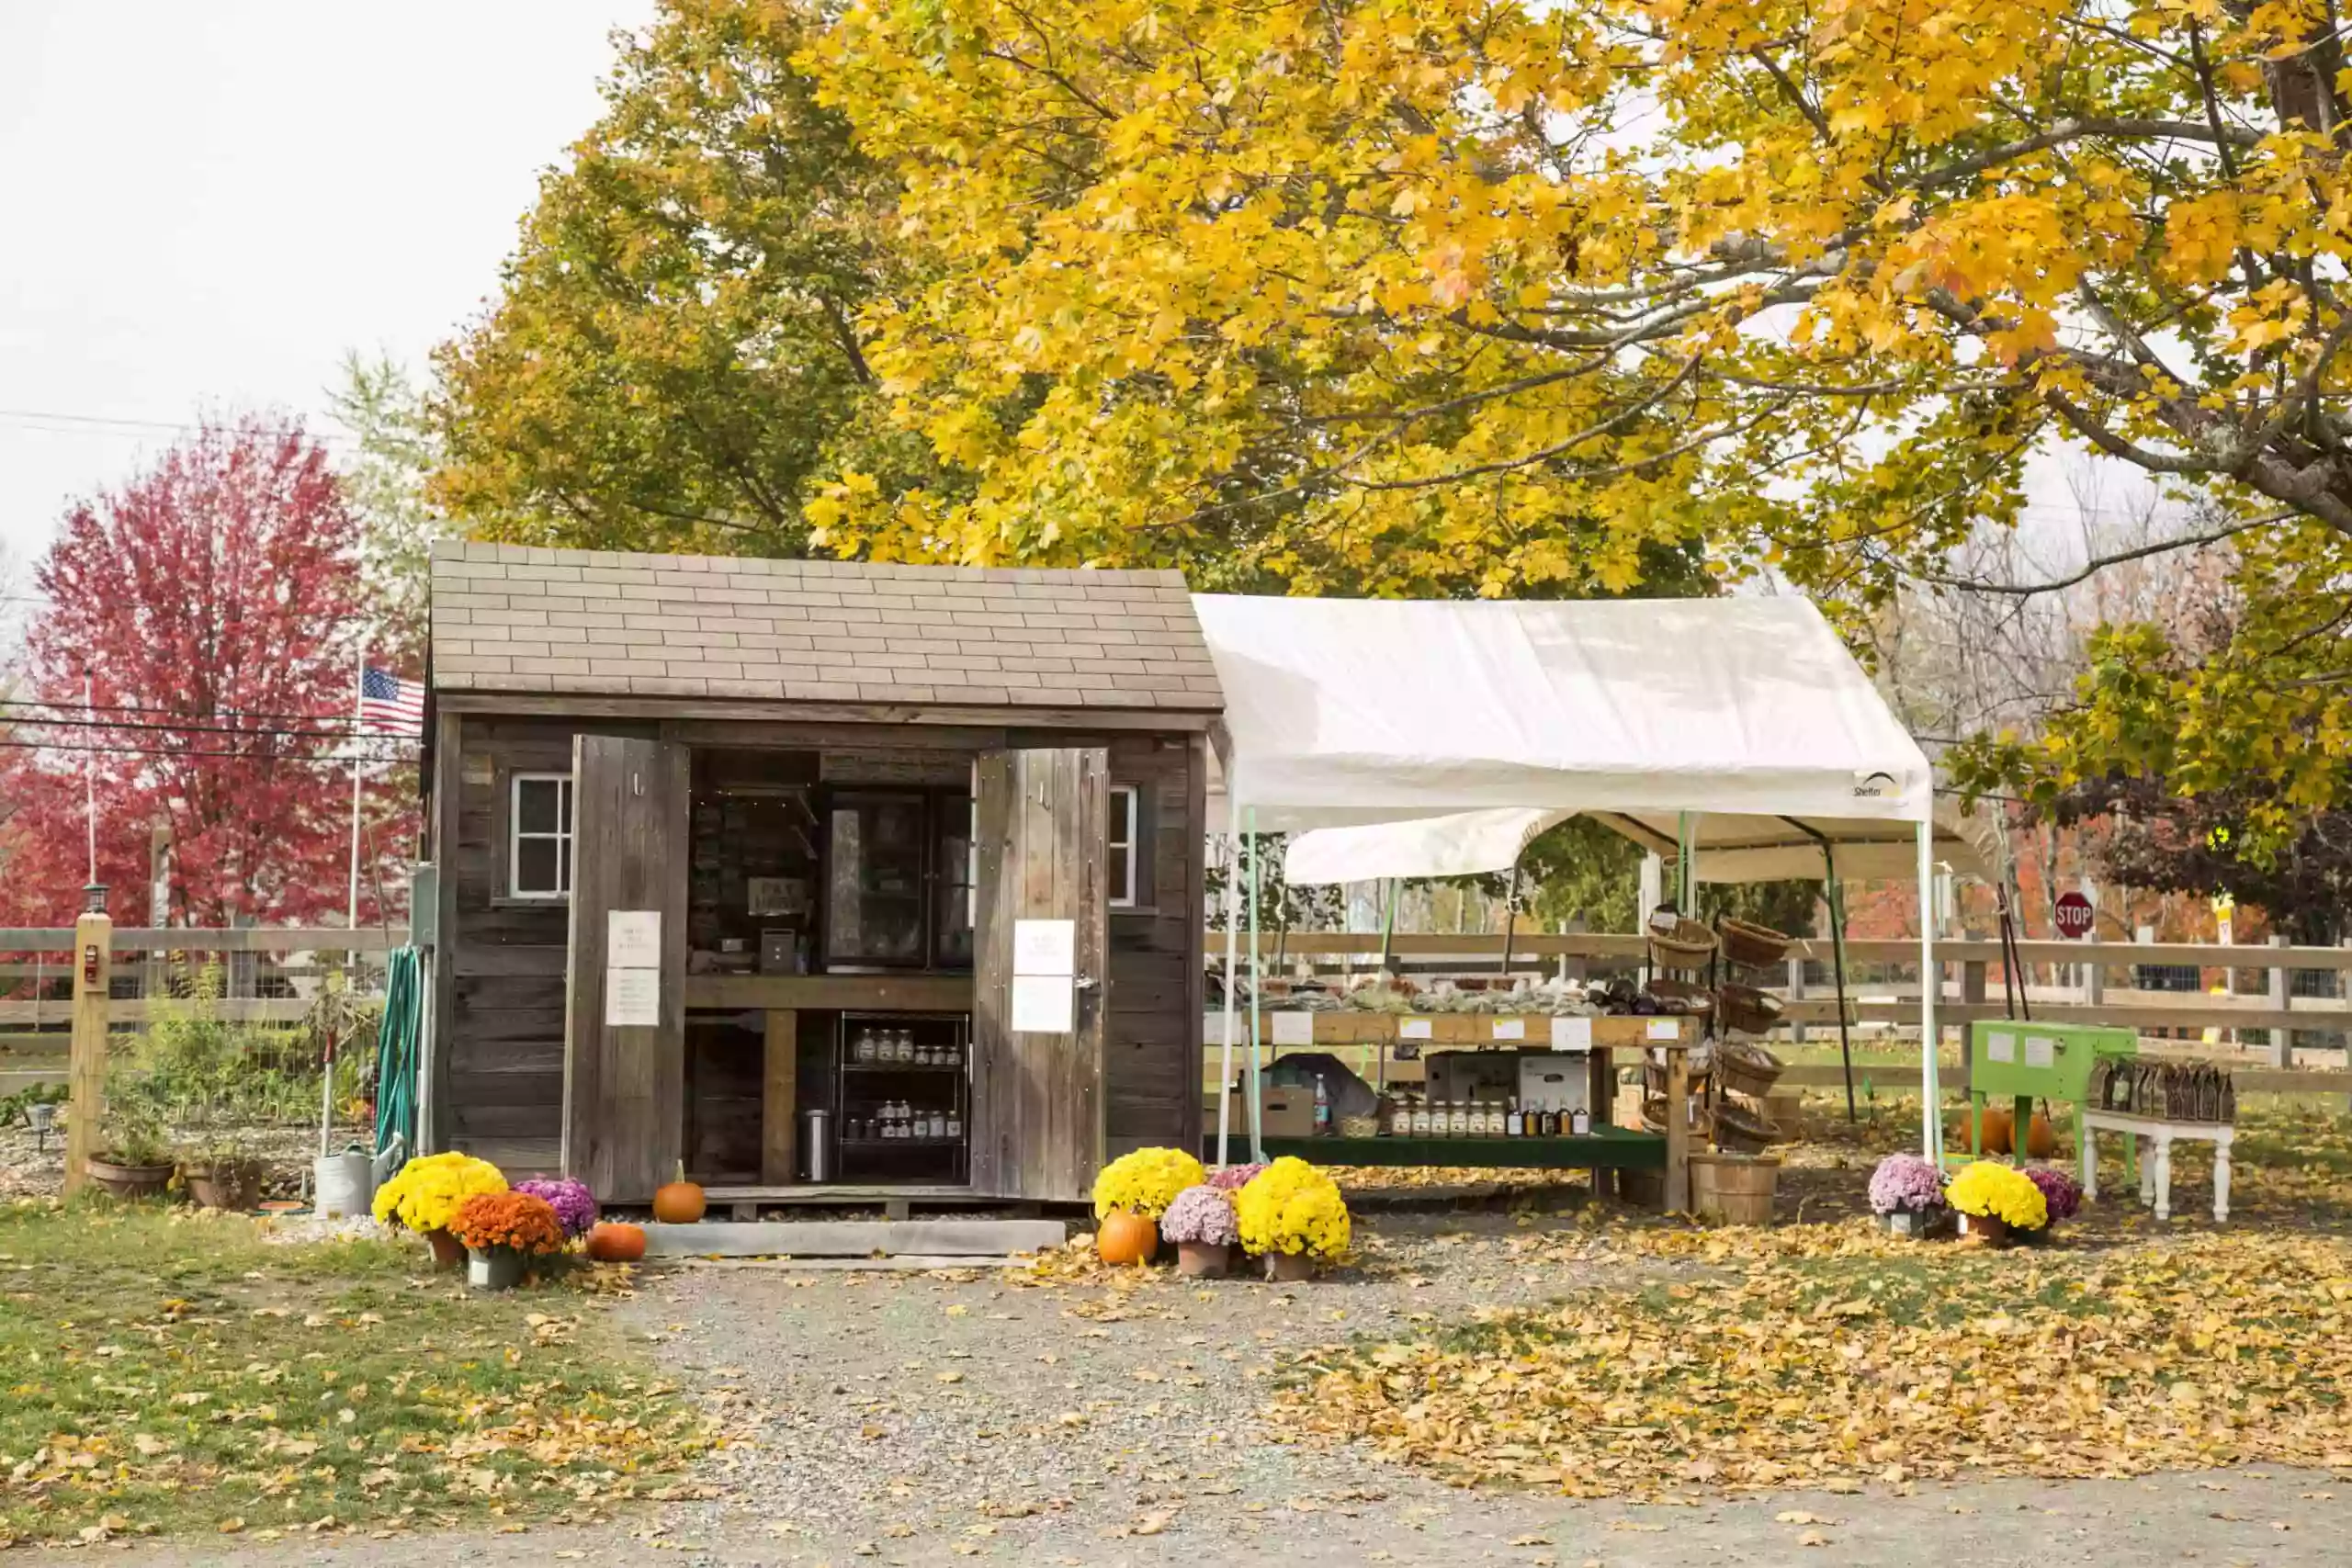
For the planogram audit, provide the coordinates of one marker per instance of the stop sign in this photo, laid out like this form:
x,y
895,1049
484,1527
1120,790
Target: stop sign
x,y
2074,915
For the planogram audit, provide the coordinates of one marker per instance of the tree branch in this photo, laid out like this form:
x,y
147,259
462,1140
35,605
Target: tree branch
x,y
2099,563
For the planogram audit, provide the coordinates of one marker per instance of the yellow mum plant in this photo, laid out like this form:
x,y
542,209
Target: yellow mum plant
x,y
428,1190
1290,1206
1991,1190
1145,1183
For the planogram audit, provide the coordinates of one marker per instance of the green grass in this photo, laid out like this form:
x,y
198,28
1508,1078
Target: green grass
x,y
168,1372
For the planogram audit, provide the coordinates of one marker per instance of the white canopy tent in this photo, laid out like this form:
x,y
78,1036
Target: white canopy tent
x,y
1453,730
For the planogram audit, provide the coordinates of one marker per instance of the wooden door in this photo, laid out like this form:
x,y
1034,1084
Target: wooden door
x,y
624,1083
1037,1105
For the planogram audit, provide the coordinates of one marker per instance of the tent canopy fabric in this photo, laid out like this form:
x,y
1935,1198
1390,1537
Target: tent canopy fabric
x,y
1342,712
1729,849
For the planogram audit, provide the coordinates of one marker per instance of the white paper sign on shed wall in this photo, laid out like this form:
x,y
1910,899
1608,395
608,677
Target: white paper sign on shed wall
x,y
1045,947
633,939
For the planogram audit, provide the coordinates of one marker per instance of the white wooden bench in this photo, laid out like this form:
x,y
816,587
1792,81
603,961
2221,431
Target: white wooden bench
x,y
2156,1160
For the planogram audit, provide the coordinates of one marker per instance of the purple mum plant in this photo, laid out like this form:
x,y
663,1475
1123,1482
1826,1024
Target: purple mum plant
x,y
574,1205
1233,1177
2060,1190
1905,1184
1202,1214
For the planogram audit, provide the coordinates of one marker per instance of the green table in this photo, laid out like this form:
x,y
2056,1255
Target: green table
x,y
2028,1060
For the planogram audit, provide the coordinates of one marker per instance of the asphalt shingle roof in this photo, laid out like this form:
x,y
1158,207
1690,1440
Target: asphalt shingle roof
x,y
527,618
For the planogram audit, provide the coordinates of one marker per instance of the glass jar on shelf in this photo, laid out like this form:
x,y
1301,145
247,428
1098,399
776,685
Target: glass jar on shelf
x,y
861,1044
936,1125
904,1048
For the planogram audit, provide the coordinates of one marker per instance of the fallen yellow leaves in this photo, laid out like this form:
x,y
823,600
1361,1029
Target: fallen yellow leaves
x,y
1817,1355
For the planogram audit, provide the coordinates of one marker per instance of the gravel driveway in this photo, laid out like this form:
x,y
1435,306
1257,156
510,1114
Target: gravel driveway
x,y
935,1419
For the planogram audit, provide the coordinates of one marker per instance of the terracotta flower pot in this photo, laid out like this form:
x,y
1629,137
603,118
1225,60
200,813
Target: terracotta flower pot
x,y
233,1184
1289,1267
1203,1259
1994,1232
448,1252
129,1180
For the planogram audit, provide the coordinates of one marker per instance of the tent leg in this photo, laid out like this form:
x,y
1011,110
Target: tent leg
x,y
1510,922
1232,935
1834,895
1257,995
1932,1128
1395,887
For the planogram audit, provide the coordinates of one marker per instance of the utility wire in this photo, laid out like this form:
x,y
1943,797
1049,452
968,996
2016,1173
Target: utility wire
x,y
169,713
334,760
16,721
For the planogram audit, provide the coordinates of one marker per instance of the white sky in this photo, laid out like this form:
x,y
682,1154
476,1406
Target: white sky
x,y
209,203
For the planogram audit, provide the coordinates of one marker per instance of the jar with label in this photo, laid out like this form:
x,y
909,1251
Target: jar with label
x,y
935,1124
862,1047
954,1124
1580,1122
1417,1115
1457,1119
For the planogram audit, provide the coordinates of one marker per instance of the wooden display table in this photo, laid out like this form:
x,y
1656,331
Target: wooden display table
x,y
1298,1028
1603,1148
2155,1164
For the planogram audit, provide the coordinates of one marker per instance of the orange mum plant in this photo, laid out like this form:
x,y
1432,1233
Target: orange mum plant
x,y
516,1221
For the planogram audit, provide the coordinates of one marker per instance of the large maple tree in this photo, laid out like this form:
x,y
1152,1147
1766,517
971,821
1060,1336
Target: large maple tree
x,y
195,665
1471,295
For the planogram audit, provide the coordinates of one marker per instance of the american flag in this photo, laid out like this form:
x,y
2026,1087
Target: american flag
x,y
390,705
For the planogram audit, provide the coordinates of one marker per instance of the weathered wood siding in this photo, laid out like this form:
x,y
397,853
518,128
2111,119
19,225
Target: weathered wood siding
x,y
1151,1046
502,1088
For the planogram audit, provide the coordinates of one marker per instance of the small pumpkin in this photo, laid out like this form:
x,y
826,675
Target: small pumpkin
x,y
614,1241
2000,1133
678,1203
2041,1142
1126,1237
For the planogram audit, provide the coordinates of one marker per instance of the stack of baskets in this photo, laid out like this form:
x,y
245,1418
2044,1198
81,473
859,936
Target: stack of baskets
x,y
1745,1071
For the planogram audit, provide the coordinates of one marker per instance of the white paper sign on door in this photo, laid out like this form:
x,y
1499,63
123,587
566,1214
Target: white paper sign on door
x,y
633,939
632,997
1043,1004
1045,947
1294,1028
1572,1034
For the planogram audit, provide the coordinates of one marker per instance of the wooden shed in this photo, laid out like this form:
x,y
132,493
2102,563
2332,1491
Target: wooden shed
x,y
722,843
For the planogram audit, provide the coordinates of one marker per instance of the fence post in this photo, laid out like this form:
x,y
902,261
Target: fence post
x,y
85,1068
1796,994
2282,1041
1972,981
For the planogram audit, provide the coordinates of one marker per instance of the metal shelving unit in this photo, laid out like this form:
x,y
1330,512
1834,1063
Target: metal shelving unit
x,y
860,1088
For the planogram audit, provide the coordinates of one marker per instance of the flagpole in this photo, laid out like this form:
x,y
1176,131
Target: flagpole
x,y
90,778
358,766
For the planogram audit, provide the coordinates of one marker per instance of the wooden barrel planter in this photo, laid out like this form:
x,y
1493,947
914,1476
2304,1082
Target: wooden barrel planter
x,y
1737,1189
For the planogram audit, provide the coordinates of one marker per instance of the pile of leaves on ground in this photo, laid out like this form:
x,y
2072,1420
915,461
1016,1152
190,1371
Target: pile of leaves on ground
x,y
167,1370
1829,1355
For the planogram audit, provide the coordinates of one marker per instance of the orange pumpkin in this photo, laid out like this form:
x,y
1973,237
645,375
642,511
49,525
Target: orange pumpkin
x,y
678,1203
2041,1142
614,1241
1127,1239
2000,1133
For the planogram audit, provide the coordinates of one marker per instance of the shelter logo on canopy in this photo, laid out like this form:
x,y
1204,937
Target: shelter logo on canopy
x,y
1877,785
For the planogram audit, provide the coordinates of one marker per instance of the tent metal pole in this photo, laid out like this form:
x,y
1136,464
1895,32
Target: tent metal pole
x,y
1510,922
1834,894
1232,935
1257,995
1931,1116
1395,887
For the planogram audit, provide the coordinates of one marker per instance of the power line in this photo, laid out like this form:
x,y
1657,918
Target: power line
x,y
118,424
144,711
171,753
17,721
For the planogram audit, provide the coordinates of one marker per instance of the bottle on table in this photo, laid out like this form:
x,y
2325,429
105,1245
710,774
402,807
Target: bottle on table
x,y
1418,1121
1322,1107
1580,1122
1515,1120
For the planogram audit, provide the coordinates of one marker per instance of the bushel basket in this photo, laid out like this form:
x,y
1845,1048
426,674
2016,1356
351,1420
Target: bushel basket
x,y
1744,1068
1688,945
1752,945
1747,1010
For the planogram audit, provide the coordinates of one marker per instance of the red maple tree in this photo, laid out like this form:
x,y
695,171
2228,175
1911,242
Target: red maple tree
x,y
196,655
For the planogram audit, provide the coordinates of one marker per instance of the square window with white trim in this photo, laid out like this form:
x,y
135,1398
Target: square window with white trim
x,y
1125,835
538,820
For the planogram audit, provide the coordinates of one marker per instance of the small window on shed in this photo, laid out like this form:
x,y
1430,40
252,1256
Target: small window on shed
x,y
1124,840
539,856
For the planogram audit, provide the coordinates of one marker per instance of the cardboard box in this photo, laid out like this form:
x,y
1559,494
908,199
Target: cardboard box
x,y
1288,1113
1561,1080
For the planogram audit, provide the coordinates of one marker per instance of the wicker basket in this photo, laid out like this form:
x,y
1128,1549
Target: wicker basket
x,y
1688,946
1746,942
1654,1118
1360,1126
1740,1130
1746,1067
1747,1010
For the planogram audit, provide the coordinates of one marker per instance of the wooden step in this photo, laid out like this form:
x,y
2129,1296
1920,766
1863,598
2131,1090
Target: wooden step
x,y
853,1238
